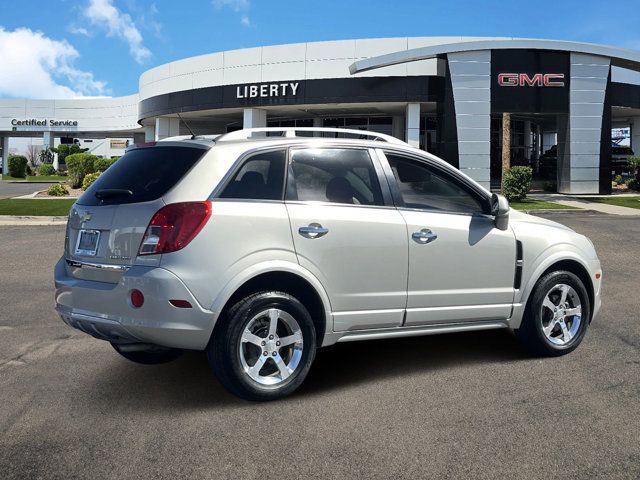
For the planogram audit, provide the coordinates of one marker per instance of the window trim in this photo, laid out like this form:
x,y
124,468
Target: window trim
x,y
239,163
387,200
464,184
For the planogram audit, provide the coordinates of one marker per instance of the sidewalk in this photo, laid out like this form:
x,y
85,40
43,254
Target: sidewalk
x,y
582,201
12,220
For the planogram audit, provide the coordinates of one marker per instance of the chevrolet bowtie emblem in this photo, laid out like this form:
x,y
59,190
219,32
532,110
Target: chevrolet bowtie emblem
x,y
85,217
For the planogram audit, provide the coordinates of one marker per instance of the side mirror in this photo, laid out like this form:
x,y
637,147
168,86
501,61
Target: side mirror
x,y
500,211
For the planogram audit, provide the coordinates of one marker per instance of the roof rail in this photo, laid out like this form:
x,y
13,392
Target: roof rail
x,y
178,138
291,133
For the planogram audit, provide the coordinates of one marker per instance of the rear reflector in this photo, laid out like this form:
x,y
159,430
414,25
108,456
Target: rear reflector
x,y
174,226
180,303
137,298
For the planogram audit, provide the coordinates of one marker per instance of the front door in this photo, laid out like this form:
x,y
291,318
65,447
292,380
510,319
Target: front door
x,y
461,268
347,237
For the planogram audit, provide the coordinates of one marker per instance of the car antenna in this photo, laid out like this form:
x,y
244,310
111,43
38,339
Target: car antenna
x,y
193,135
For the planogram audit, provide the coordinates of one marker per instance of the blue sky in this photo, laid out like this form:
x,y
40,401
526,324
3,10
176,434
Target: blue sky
x,y
65,48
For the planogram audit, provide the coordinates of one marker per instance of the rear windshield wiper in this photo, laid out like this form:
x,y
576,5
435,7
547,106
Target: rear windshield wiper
x,y
112,192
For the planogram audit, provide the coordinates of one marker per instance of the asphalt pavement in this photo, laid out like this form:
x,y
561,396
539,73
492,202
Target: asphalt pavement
x,y
15,189
472,405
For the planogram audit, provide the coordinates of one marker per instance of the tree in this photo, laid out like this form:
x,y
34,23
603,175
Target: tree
x,y
33,154
67,149
506,146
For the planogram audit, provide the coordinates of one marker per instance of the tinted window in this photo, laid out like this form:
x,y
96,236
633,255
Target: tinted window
x,y
148,173
337,175
261,177
428,188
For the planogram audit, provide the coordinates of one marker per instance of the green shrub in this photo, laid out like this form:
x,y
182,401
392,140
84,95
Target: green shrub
x,y
617,179
29,171
101,164
517,183
550,187
57,190
89,179
79,165
46,169
65,150
18,166
632,184
46,155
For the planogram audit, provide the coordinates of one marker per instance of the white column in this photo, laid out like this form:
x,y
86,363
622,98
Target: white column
x,y
254,118
397,127
5,155
413,125
149,133
166,127
138,138
317,123
634,123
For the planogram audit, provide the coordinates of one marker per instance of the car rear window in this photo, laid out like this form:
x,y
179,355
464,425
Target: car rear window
x,y
148,173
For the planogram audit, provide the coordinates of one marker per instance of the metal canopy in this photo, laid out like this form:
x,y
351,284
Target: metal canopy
x,y
620,57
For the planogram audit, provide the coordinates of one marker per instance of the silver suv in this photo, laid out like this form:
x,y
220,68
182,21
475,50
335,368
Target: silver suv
x,y
260,246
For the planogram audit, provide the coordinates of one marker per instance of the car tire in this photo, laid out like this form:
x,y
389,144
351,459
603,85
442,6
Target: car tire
x,y
149,357
247,351
557,315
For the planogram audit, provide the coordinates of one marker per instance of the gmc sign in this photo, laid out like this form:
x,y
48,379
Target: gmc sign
x,y
537,80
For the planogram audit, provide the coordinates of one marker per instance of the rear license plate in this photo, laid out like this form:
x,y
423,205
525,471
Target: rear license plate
x,y
87,242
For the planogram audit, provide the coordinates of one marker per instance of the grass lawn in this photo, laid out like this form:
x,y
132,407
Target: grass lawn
x,y
19,206
631,202
530,204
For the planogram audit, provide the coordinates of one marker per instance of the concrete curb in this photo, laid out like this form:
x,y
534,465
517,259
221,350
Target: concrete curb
x,y
13,220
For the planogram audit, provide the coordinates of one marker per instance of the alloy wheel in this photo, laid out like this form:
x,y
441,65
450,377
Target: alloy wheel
x,y
271,347
561,314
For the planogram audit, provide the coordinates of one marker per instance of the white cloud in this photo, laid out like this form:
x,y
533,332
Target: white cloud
x,y
78,30
238,6
35,66
235,5
103,14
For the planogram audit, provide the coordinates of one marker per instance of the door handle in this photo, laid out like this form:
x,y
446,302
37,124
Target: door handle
x,y
314,230
424,236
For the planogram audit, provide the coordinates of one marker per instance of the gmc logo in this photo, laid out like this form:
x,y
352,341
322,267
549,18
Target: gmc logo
x,y
537,80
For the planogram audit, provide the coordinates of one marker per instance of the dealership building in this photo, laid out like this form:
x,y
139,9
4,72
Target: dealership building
x,y
446,95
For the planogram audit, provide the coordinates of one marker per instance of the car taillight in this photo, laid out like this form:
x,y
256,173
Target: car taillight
x,y
174,226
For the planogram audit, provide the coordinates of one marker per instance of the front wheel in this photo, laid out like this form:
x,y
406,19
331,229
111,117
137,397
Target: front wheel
x,y
264,346
557,316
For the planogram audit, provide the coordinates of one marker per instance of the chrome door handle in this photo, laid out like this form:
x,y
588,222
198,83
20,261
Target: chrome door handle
x,y
424,236
314,230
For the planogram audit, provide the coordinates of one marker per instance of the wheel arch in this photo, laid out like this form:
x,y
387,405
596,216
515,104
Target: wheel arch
x,y
567,261
291,279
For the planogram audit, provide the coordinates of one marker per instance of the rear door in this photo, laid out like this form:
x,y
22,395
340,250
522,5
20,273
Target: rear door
x,y
346,233
107,223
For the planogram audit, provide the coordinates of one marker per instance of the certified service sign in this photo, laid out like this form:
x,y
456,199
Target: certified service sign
x,y
34,122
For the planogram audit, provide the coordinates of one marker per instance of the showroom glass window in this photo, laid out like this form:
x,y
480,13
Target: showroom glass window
x,y
261,177
334,175
425,187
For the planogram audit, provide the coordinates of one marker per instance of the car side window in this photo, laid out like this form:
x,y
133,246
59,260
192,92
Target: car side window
x,y
261,177
334,175
428,188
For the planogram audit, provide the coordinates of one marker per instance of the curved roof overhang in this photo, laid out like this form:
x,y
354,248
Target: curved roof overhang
x,y
620,57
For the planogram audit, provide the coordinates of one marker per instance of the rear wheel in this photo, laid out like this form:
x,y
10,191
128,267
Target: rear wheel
x,y
152,356
557,316
264,346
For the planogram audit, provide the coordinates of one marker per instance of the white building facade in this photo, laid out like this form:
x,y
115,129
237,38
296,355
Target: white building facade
x,y
442,94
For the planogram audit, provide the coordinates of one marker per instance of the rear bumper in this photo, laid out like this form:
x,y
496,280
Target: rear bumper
x,y
103,309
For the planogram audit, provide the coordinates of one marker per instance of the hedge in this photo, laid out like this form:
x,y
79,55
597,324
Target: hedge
x,y
18,166
78,166
517,183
